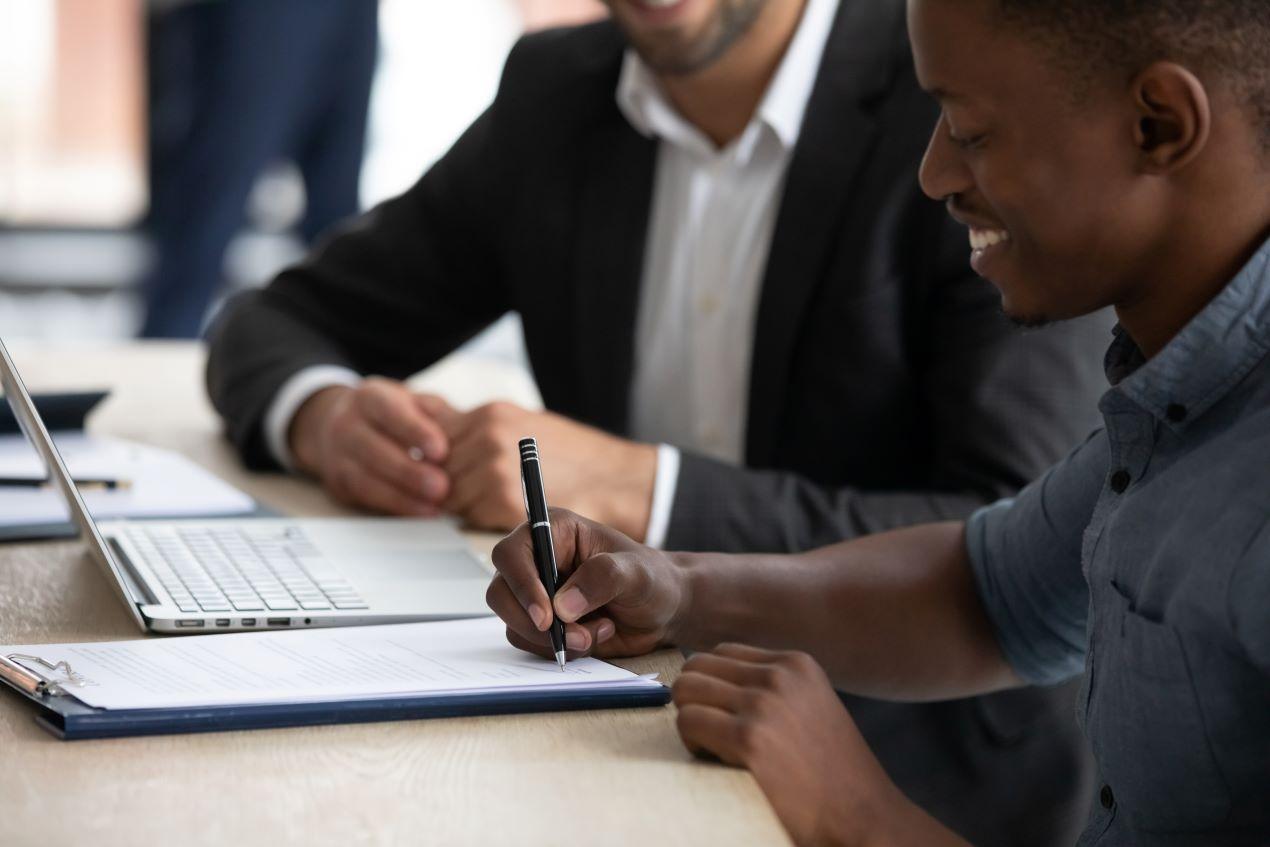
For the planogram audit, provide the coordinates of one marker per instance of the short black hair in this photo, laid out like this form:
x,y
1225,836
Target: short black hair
x,y
1226,40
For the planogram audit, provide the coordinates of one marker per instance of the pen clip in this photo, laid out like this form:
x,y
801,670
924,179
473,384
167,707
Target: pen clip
x,y
35,682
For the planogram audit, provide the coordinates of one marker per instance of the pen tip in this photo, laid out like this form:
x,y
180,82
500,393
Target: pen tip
x,y
560,660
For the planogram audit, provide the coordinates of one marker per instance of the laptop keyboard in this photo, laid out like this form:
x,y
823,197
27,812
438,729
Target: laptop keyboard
x,y
235,569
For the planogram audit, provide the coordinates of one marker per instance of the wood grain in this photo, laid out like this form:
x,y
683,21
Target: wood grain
x,y
603,778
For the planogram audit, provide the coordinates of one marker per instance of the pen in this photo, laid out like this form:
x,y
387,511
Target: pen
x,y
82,484
540,531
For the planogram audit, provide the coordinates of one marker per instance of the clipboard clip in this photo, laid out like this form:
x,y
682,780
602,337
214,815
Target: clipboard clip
x,y
35,682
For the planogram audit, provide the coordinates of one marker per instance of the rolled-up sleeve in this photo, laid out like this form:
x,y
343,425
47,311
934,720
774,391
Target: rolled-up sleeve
x,y
1026,557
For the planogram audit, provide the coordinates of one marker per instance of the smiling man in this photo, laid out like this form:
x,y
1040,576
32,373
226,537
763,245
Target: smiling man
x,y
1101,154
750,329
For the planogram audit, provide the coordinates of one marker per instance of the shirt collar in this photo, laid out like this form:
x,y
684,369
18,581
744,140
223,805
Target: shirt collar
x,y
1207,358
651,113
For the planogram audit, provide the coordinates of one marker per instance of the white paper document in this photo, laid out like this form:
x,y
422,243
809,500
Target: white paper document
x,y
161,484
343,663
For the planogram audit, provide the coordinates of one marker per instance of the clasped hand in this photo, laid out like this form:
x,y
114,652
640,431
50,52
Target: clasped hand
x,y
382,447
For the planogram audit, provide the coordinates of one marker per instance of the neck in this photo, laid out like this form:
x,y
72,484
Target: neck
x,y
1200,261
720,100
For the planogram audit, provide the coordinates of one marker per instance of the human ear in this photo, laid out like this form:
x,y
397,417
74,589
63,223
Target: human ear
x,y
1174,117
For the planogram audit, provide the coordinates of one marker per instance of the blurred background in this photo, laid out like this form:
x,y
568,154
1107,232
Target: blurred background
x,y
157,155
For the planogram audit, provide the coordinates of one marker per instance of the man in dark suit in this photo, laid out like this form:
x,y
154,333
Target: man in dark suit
x,y
750,330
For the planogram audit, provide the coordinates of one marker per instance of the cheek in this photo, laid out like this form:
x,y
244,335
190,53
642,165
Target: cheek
x,y
1063,234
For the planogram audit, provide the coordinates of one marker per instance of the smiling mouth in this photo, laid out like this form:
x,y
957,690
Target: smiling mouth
x,y
982,239
985,244
658,9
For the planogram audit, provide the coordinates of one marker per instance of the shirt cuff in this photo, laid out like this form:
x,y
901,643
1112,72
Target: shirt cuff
x,y
664,484
291,396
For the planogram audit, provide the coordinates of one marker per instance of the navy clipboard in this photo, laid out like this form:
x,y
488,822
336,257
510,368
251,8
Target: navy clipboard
x,y
70,720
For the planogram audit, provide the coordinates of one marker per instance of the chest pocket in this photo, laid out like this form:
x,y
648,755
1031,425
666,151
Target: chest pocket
x,y
1147,730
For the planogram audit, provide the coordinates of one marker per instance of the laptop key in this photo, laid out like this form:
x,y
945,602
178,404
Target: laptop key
x,y
312,605
350,604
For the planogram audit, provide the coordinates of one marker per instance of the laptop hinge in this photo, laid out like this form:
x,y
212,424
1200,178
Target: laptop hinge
x,y
133,581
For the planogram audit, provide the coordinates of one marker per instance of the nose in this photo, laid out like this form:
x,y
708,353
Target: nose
x,y
943,172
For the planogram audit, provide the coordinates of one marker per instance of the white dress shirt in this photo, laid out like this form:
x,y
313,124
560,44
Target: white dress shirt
x,y
713,212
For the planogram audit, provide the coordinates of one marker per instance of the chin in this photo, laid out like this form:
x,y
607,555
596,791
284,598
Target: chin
x,y
1024,315
1029,320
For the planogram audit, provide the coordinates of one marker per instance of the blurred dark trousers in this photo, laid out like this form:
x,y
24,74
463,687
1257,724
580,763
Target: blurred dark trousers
x,y
236,85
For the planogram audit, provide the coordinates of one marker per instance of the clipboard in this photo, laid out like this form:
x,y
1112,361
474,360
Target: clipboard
x,y
65,717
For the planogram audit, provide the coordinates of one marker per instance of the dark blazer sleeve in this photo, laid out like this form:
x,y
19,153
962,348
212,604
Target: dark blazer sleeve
x,y
1000,403
391,293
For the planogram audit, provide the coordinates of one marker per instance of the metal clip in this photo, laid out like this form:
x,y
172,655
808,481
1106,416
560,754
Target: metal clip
x,y
34,682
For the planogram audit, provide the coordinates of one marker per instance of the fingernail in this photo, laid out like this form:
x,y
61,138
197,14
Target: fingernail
x,y
571,604
604,631
574,640
538,615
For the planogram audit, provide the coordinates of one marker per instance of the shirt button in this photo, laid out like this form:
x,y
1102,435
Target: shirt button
x,y
1120,481
1106,797
1176,412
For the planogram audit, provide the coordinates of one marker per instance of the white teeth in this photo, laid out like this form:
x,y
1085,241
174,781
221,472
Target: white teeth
x,y
982,239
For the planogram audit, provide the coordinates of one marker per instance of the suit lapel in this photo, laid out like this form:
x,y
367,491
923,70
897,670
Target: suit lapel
x,y
836,134
612,229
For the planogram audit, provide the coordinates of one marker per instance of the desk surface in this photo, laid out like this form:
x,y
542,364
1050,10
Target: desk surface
x,y
622,776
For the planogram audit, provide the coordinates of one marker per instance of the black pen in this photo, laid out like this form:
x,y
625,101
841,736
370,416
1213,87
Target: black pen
x,y
45,482
540,532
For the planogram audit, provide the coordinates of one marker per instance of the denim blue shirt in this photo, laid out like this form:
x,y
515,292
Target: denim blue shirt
x,y
1143,559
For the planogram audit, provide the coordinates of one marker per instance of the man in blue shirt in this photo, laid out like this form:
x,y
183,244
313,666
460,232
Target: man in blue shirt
x,y
1102,152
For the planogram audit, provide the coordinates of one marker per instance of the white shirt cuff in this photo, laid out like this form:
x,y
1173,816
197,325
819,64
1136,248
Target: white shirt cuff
x,y
664,484
291,396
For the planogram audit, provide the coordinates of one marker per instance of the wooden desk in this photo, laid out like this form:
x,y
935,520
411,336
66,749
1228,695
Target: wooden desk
x,y
621,777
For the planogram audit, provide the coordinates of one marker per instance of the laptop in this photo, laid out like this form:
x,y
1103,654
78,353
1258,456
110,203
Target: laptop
x,y
236,574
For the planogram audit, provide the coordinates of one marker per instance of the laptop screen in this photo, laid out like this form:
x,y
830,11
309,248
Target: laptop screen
x,y
33,427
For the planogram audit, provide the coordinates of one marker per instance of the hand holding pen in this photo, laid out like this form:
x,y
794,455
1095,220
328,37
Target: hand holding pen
x,y
613,596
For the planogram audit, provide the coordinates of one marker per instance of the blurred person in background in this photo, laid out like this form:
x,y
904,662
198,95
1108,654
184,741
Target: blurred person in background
x,y
235,87
750,329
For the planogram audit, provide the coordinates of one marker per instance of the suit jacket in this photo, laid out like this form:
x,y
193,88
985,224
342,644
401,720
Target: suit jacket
x,y
886,387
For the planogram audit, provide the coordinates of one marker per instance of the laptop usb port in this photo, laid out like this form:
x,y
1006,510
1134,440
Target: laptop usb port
x,y
190,624
279,621
249,621
222,621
